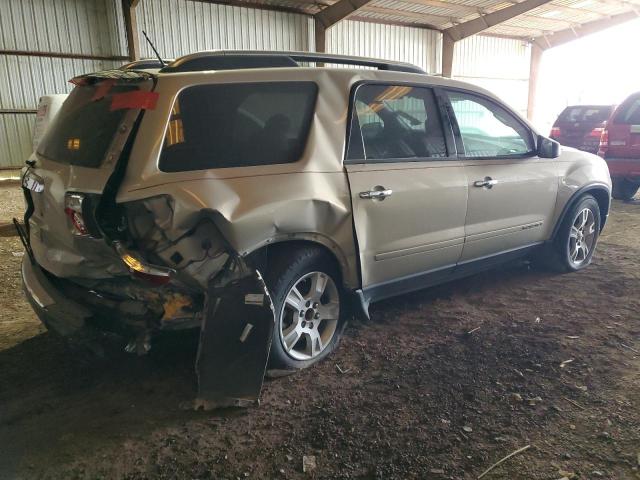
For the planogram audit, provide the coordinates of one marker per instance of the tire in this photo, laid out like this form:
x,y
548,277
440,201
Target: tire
x,y
308,326
624,189
577,237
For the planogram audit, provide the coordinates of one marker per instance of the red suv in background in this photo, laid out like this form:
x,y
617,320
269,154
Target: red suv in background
x,y
620,147
580,126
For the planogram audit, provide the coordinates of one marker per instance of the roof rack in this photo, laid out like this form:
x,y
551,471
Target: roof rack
x,y
241,59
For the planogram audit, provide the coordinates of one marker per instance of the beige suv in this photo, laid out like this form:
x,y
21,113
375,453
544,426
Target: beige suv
x,y
341,186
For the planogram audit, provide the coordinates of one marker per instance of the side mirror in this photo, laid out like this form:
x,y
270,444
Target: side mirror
x,y
548,148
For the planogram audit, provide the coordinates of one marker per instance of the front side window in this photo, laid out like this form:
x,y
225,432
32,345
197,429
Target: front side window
x,y
488,130
629,112
395,122
238,125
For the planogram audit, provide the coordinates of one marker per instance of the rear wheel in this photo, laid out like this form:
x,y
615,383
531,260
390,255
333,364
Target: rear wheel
x,y
307,297
624,189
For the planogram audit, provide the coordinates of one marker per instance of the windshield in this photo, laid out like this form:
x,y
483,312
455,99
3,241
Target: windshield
x,y
586,114
85,126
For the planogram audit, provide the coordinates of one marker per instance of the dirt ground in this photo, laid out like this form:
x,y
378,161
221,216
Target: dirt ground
x,y
553,362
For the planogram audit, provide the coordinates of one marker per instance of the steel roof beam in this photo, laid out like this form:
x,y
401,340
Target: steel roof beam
x,y
339,11
563,36
477,25
131,28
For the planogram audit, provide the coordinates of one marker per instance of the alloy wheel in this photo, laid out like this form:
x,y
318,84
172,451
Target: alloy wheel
x,y
582,237
309,316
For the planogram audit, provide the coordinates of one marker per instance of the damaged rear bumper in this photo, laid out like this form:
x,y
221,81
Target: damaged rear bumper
x,y
235,339
56,311
121,306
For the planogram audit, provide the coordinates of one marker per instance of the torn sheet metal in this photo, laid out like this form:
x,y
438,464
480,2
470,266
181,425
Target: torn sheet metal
x,y
235,340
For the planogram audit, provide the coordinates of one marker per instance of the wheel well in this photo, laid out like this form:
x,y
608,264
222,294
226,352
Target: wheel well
x,y
602,197
264,256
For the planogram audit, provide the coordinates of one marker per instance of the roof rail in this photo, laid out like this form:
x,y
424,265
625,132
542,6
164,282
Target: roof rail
x,y
147,63
241,59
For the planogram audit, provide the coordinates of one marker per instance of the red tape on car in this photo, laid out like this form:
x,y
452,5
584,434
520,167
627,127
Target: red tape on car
x,y
136,100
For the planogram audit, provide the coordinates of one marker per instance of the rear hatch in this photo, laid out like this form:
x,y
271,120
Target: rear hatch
x,y
581,126
73,165
624,130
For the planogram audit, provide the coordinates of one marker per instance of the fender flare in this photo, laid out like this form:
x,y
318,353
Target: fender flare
x,y
601,187
318,239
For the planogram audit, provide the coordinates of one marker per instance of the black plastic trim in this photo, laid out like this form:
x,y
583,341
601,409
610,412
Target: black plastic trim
x,y
445,274
574,199
234,60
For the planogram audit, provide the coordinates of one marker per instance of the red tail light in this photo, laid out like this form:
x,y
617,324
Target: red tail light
x,y
555,132
596,132
73,209
604,142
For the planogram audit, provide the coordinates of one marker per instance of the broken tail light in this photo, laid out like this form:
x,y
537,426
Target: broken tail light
x,y
139,268
73,210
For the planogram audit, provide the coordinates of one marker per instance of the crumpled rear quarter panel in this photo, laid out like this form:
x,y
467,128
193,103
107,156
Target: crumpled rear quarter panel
x,y
254,206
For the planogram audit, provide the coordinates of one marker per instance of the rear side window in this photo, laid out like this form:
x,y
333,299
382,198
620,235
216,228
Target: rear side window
x,y
629,112
585,114
238,125
488,130
85,126
395,122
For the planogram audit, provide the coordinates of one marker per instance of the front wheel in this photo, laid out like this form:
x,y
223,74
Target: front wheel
x,y
578,236
624,189
307,298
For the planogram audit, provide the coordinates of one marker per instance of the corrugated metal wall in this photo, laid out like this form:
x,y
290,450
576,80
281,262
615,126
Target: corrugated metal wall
x,y
419,46
500,65
96,28
79,27
177,27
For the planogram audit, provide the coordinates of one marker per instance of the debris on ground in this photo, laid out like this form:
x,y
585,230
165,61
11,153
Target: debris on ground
x,y
342,371
565,363
503,459
308,463
516,398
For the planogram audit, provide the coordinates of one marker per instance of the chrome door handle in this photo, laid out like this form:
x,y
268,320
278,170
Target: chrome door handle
x,y
488,182
377,194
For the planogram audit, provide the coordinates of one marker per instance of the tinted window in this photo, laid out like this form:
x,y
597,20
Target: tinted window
x,y
586,114
629,112
238,125
85,126
488,130
395,122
